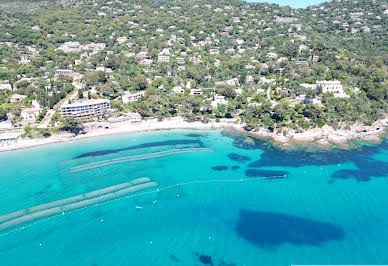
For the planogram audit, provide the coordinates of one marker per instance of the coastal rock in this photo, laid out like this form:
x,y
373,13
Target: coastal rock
x,y
303,137
323,142
371,138
280,138
337,139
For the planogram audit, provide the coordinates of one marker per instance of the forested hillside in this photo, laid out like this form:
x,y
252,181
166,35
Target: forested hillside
x,y
259,63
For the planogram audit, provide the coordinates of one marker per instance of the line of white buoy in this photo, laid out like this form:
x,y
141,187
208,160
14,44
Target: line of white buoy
x,y
142,194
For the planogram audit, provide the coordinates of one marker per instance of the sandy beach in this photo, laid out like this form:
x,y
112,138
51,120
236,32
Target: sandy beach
x,y
323,136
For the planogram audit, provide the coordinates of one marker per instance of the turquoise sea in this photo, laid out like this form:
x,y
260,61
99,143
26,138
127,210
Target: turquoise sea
x,y
321,206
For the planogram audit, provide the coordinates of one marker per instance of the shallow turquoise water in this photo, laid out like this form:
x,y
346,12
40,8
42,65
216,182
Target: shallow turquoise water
x,y
330,209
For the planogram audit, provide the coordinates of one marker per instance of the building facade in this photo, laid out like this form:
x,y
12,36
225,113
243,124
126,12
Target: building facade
x,y
86,108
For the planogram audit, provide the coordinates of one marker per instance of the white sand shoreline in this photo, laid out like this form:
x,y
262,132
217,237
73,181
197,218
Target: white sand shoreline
x,y
323,136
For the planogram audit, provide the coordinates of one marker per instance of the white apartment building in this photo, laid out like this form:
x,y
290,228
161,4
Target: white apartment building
x,y
86,108
129,97
330,86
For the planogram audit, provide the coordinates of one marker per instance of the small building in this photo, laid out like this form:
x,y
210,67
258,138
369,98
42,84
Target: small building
x,y
272,55
180,60
129,97
178,89
86,108
142,55
30,114
146,62
129,117
17,98
218,99
64,72
5,85
195,92
163,59
213,51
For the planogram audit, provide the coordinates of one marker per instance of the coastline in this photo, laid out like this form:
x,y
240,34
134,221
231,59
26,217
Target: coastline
x,y
325,136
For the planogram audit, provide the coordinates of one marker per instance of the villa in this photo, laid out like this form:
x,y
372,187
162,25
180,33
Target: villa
x,y
30,114
17,98
129,97
5,85
218,99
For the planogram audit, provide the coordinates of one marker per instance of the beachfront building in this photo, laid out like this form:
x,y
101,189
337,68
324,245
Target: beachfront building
x,y
129,117
17,98
30,114
7,139
129,97
88,108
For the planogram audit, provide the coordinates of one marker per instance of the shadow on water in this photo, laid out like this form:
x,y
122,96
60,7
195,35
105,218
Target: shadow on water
x,y
144,145
238,158
275,155
269,230
220,168
264,173
194,135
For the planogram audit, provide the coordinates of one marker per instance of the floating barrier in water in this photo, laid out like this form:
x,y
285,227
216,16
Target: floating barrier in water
x,y
120,195
53,204
73,203
136,158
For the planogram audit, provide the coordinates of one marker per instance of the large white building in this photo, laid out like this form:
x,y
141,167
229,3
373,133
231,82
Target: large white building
x,y
86,108
329,86
332,86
